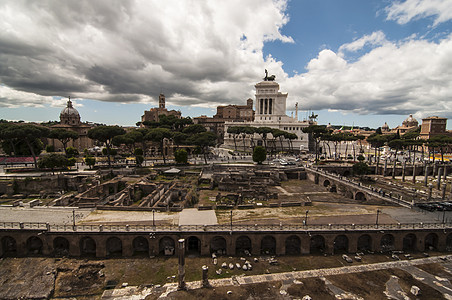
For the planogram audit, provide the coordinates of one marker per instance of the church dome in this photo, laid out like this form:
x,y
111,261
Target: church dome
x,y
410,122
385,127
69,115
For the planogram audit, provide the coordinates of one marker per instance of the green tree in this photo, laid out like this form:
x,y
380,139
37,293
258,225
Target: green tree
x,y
194,129
181,156
90,161
64,136
259,154
105,135
263,132
30,135
234,130
203,140
158,135
360,168
50,148
316,132
71,152
53,161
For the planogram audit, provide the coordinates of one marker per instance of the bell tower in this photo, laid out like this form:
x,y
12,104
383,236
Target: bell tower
x,y
161,101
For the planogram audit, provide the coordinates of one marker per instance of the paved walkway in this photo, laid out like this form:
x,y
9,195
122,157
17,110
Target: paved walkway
x,y
193,216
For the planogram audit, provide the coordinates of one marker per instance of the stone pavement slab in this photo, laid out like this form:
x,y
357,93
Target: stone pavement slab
x,y
193,216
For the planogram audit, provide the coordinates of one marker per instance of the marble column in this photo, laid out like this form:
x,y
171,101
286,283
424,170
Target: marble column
x,y
403,170
438,182
181,252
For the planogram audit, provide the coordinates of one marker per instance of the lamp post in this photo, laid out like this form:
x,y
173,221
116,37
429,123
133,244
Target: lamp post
x,y
231,219
306,218
153,218
378,212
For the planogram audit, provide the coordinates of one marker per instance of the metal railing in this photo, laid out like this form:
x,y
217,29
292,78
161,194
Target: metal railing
x,y
219,228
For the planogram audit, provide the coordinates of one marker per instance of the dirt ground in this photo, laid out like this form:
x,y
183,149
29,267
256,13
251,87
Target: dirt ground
x,y
87,279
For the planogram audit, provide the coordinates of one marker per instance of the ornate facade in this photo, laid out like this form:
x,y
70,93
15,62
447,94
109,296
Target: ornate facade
x,y
70,120
270,110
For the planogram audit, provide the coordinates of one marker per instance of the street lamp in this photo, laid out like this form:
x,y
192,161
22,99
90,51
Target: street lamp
x,y
306,218
231,219
153,217
378,212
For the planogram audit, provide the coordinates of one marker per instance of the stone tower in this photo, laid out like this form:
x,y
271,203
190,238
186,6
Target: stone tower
x,y
161,101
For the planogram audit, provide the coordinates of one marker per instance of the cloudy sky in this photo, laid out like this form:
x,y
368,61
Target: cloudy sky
x,y
351,61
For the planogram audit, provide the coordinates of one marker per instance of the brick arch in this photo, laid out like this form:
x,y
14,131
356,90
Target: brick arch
x,y
293,245
340,244
87,246
9,246
193,245
360,196
60,246
167,246
140,246
449,242
387,242
218,245
431,242
243,245
365,242
317,244
114,246
409,242
34,245
268,245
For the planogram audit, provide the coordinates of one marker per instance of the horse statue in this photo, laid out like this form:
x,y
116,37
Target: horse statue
x,y
269,78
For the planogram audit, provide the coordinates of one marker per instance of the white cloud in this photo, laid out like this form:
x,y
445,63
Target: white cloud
x,y
129,51
404,12
375,39
412,76
11,98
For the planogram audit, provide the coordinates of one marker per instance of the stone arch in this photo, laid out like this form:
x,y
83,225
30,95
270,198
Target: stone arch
x,y
140,246
268,245
431,242
114,246
293,245
387,242
340,244
360,196
34,245
243,245
87,247
409,242
166,246
348,194
365,243
333,188
193,246
317,244
218,245
346,173
60,246
449,242
326,183
9,246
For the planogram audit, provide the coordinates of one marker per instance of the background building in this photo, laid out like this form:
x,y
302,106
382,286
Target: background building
x,y
226,113
70,120
153,114
271,112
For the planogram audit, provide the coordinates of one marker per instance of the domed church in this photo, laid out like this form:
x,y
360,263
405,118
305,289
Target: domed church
x,y
70,120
